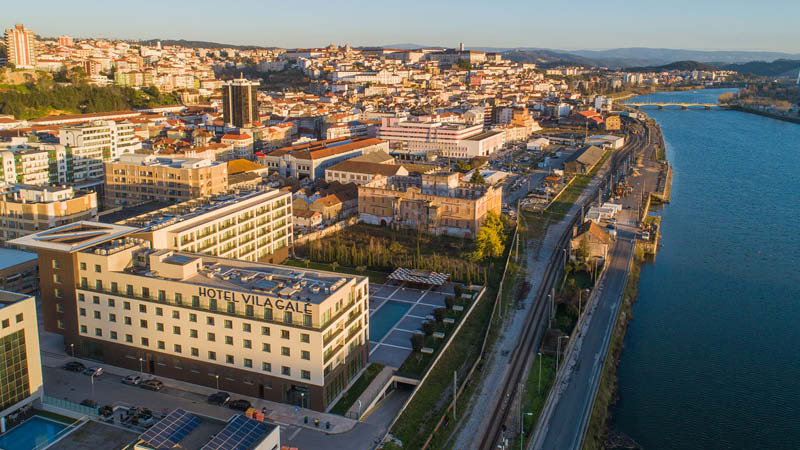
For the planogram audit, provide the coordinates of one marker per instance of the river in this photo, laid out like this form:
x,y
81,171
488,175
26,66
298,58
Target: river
x,y
711,358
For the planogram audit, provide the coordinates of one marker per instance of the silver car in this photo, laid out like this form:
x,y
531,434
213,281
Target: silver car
x,y
133,380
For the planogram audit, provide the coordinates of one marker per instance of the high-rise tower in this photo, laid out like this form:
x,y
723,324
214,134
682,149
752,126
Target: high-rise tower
x,y
240,103
21,45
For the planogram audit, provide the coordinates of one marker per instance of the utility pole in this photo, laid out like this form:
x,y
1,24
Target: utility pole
x,y
455,391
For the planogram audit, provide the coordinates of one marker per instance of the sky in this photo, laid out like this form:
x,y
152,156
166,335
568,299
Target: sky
x,y
771,25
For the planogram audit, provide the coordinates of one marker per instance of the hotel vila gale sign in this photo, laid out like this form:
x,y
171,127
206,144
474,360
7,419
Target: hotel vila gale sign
x,y
254,299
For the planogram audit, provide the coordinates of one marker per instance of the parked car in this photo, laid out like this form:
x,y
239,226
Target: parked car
x,y
106,411
90,403
132,380
74,366
151,385
239,405
219,398
95,371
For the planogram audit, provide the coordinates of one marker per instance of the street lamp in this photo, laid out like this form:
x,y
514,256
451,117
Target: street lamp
x,y
522,427
558,352
359,409
72,349
217,378
92,380
540,372
141,369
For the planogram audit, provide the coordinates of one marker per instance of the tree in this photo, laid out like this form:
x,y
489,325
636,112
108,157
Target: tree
x,y
439,314
477,178
417,341
583,248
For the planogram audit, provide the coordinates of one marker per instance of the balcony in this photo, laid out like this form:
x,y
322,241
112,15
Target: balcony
x,y
333,351
326,341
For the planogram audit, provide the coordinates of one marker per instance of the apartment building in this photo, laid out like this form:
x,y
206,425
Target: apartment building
x,y
437,203
279,333
135,179
89,145
21,47
21,383
26,209
250,225
448,139
311,159
19,271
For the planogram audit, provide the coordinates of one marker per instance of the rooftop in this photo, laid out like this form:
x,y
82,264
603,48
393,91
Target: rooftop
x,y
76,236
484,135
9,298
10,257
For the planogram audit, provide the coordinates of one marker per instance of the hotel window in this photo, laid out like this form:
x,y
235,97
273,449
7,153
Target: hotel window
x,y
212,304
112,317
98,284
178,299
195,301
176,314
58,292
305,338
128,289
97,315
287,316
248,311
285,351
111,302
228,324
192,317
59,307
126,306
247,343
286,371
96,300
284,334
145,292
83,328
161,345
307,320
114,335
159,326
246,327
176,330
210,321
142,323
56,278
305,355
142,308
128,338
127,320
229,359
82,312
231,308
162,296
266,347
266,367
98,332
265,331
145,341
195,352
19,317
83,266
56,264
212,356
177,348
97,268
305,374
114,287
81,297
60,324
193,333
229,340
84,282
211,337
159,311
248,363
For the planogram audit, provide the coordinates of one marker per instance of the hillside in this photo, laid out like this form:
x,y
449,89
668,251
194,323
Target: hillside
x,y
678,65
547,58
660,56
778,68
201,44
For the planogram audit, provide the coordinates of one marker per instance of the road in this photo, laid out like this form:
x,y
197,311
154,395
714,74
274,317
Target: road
x,y
563,426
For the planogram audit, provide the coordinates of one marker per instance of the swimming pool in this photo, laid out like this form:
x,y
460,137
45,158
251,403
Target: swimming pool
x,y
385,318
34,432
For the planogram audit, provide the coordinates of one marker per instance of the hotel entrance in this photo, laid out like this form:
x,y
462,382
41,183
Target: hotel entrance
x,y
298,396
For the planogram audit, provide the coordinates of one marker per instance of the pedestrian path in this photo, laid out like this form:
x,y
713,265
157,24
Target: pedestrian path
x,y
370,393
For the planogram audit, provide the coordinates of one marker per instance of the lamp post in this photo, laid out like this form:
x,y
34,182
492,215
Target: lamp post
x,y
72,349
359,409
216,376
92,380
558,352
522,427
141,368
540,372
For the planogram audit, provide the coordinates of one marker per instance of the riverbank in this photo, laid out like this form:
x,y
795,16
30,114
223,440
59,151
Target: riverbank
x,y
624,95
759,112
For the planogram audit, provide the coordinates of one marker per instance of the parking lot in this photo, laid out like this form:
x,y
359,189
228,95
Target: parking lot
x,y
397,310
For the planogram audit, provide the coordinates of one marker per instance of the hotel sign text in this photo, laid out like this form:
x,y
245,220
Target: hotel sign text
x,y
254,299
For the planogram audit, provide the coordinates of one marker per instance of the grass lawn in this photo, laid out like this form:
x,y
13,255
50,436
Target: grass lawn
x,y
374,275
561,205
534,397
357,389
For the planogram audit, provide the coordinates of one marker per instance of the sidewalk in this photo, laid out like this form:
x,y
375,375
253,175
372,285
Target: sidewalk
x,y
52,356
359,407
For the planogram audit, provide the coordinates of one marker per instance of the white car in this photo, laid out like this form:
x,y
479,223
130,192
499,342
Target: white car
x,y
133,380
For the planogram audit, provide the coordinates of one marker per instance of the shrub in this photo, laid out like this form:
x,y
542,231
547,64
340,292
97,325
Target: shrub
x,y
417,342
439,313
458,290
427,327
448,301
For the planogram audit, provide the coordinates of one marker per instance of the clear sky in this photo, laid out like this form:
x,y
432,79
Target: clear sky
x,y
772,25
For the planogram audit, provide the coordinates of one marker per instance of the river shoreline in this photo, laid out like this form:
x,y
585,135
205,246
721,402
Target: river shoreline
x,y
757,112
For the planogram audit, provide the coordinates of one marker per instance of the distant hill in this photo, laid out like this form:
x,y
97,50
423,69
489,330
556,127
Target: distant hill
x,y
660,56
778,68
678,65
201,44
547,58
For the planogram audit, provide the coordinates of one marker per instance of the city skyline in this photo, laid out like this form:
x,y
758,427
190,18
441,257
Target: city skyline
x,y
740,26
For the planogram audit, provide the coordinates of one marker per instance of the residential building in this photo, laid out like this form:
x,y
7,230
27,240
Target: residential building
x,y
279,333
422,134
134,179
89,145
250,225
613,123
598,241
21,47
240,103
438,203
19,271
241,143
362,172
312,158
21,383
26,209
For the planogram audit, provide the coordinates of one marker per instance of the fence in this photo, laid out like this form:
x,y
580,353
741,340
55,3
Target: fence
x,y
69,406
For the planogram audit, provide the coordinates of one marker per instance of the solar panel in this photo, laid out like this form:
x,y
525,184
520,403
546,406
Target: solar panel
x,y
170,430
240,433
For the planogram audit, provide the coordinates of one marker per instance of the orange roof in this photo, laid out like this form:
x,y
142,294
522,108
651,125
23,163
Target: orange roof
x,y
242,165
240,137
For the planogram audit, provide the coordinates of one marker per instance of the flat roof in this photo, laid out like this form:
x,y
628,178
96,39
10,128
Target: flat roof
x,y
74,236
484,135
9,298
10,257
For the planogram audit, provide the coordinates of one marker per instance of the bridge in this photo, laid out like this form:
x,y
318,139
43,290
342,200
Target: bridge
x,y
662,105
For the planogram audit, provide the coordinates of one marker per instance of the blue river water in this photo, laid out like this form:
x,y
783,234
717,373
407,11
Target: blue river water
x,y
711,358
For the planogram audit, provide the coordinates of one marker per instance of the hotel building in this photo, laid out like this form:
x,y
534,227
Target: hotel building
x,y
311,159
20,360
251,225
135,179
456,140
280,333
